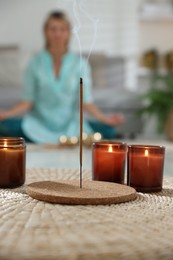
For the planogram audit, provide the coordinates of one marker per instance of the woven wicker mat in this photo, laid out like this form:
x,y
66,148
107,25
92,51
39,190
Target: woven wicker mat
x,y
30,229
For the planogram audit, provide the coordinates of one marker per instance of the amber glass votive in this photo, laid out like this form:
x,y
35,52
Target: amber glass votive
x,y
108,160
145,166
12,162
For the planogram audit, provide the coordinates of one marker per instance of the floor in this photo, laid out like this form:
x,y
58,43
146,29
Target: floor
x,y
53,157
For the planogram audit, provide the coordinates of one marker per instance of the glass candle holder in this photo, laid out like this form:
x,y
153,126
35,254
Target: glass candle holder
x,y
108,160
145,165
12,162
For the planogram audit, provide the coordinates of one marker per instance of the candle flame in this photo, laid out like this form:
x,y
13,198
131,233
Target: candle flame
x,y
146,152
110,149
5,143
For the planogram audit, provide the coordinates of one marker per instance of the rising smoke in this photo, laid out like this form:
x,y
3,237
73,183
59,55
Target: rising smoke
x,y
79,6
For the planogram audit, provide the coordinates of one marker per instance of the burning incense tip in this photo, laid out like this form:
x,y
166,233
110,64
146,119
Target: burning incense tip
x,y
81,81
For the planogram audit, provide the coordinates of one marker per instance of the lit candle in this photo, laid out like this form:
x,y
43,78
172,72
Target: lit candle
x,y
12,162
145,167
109,161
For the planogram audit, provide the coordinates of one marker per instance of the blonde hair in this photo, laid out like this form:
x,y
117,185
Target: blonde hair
x,y
60,16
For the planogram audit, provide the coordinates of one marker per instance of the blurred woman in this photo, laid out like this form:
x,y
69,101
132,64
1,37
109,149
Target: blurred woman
x,y
49,107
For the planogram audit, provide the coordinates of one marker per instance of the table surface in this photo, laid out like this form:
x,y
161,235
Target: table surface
x,y
31,229
52,156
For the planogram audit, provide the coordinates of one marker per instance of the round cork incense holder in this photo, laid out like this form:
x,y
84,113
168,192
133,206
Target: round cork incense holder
x,y
92,192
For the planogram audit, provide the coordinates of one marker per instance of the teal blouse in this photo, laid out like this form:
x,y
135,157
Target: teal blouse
x,y
56,100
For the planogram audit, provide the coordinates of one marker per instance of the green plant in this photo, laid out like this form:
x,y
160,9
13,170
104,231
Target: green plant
x,y
159,98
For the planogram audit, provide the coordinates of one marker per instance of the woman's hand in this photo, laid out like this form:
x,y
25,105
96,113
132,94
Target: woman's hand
x,y
18,110
3,115
114,120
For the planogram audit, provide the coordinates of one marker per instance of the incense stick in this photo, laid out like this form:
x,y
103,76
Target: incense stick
x,y
81,128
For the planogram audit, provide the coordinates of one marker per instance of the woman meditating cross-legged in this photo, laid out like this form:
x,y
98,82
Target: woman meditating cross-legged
x,y
50,102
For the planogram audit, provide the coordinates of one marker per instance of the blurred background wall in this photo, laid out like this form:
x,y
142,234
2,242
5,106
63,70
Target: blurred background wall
x,y
22,20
